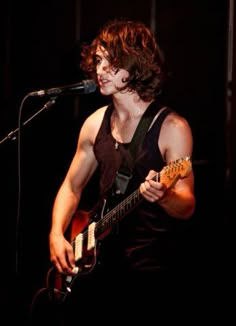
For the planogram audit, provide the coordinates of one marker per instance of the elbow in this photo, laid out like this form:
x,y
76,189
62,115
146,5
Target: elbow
x,y
188,210
184,211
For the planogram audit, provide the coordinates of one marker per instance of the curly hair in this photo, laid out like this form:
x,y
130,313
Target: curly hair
x,y
131,46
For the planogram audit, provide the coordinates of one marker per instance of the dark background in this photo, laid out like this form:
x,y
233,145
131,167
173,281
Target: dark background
x,y
41,49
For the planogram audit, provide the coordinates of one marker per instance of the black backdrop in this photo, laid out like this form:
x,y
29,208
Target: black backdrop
x,y
41,50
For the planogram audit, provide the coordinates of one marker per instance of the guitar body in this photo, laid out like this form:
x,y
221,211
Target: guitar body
x,y
79,223
86,248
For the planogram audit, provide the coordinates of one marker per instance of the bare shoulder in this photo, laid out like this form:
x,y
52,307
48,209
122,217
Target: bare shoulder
x,y
176,123
175,138
97,115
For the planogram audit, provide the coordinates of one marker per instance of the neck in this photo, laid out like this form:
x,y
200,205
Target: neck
x,y
125,118
129,107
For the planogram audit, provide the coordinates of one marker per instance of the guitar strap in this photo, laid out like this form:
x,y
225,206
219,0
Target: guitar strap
x,y
123,175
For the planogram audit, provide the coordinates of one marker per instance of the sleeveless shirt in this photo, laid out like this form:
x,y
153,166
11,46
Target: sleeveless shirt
x,y
144,239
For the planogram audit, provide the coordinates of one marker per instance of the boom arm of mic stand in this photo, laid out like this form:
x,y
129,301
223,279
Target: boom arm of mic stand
x,y
12,134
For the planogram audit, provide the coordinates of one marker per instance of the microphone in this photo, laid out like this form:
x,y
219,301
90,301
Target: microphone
x,y
83,87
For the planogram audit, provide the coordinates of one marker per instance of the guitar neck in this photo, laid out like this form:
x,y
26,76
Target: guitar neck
x,y
118,212
169,175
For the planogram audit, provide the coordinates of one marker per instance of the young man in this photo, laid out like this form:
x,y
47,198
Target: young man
x,y
139,249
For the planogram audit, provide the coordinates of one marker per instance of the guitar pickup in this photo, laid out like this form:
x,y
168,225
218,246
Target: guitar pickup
x,y
91,236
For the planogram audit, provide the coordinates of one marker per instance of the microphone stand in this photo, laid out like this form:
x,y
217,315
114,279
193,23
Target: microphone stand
x,y
12,135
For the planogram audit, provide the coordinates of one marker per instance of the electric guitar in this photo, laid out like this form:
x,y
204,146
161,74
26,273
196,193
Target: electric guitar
x,y
88,228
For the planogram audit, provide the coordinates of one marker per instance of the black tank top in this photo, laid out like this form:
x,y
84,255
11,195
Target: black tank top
x,y
142,239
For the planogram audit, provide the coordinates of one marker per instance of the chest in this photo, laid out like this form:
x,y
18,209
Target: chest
x,y
123,131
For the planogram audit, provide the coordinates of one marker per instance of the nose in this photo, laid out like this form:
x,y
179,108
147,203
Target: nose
x,y
102,67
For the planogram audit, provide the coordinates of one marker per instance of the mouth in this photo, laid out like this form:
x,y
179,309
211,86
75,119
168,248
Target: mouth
x,y
103,81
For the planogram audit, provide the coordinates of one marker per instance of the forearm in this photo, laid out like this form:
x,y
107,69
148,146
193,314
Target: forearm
x,y
65,205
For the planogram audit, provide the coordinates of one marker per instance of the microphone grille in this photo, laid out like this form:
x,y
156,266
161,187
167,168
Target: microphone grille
x,y
89,86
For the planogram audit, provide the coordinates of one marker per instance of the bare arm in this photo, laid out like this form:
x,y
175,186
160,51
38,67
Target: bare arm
x,y
81,169
175,142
